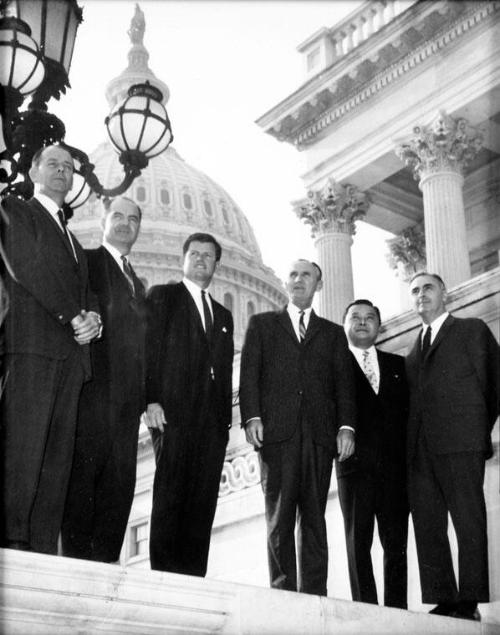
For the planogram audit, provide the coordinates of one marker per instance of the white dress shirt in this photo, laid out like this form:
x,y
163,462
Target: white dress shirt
x,y
294,313
373,359
195,292
435,326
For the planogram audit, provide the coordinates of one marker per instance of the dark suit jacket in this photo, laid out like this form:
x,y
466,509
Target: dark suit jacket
x,y
382,419
179,359
118,357
282,380
455,390
50,286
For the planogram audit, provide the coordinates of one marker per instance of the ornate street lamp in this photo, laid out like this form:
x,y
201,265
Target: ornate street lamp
x,y
139,127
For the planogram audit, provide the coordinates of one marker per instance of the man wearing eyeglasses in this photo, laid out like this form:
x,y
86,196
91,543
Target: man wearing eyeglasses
x,y
189,352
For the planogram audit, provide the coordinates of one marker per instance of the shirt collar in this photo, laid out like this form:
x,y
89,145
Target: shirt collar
x,y
51,206
113,251
294,312
193,288
436,324
359,352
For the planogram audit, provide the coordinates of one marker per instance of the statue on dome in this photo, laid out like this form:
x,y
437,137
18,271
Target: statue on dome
x,y
137,26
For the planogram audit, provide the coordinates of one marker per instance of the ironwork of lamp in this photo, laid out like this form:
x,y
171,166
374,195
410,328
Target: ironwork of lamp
x,y
139,127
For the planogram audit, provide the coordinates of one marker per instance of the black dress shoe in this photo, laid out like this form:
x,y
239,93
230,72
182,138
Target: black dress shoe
x,y
467,611
444,608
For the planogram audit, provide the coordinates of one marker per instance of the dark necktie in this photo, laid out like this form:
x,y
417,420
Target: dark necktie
x,y
127,270
426,342
302,327
64,223
208,317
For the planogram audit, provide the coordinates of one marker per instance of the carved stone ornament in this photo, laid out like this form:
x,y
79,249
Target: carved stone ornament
x,y
336,208
447,144
241,472
407,252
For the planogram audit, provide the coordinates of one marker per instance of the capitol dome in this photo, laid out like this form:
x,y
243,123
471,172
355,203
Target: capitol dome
x,y
177,200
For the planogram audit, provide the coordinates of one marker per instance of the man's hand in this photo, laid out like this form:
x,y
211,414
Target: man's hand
x,y
345,444
155,417
86,326
254,432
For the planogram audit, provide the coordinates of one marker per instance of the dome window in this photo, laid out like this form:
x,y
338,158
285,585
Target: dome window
x,y
207,206
164,196
140,194
224,212
187,201
250,309
228,301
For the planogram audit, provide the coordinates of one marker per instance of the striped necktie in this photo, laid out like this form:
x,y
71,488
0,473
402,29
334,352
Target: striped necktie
x,y
302,327
127,270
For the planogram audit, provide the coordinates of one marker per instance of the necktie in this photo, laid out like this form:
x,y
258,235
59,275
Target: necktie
x,y
426,342
127,270
208,316
369,370
62,220
302,327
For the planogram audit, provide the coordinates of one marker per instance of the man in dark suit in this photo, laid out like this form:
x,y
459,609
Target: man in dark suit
x,y
101,488
372,482
189,393
297,407
47,331
453,373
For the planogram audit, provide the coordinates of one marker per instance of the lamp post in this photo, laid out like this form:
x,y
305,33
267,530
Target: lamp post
x,y
37,39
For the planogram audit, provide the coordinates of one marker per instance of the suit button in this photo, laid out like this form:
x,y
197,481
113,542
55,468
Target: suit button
x,y
300,392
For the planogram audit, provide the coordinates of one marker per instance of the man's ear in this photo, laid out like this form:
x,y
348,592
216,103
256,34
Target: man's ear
x,y
33,173
319,286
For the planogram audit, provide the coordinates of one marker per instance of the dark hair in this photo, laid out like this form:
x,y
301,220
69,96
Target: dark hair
x,y
37,157
202,238
106,203
315,265
431,275
362,301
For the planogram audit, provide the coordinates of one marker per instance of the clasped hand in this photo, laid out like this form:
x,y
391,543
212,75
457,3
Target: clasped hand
x,y
86,326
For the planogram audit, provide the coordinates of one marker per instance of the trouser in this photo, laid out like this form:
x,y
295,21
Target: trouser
x,y
438,484
295,480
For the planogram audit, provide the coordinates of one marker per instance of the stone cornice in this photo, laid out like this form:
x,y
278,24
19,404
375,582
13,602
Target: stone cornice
x,y
404,44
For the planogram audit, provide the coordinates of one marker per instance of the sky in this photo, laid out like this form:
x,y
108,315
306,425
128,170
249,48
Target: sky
x,y
226,64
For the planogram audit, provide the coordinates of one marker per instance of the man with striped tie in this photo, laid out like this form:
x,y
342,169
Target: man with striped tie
x,y
102,481
298,411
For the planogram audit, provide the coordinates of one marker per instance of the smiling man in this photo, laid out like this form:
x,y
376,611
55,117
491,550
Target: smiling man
x,y
454,377
298,411
103,475
372,482
189,396
48,327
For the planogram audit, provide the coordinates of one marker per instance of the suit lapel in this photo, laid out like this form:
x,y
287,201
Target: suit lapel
x,y
285,322
440,336
313,327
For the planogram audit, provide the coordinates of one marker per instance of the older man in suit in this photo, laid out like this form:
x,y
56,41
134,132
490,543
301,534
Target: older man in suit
x,y
453,373
297,407
48,327
372,482
102,481
189,393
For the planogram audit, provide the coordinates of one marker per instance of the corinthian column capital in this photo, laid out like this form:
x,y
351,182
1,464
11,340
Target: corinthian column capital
x,y
407,252
334,209
447,144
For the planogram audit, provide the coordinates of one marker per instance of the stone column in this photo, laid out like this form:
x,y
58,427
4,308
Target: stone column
x,y
332,213
438,155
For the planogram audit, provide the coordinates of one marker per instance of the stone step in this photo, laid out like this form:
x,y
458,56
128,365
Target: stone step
x,y
49,595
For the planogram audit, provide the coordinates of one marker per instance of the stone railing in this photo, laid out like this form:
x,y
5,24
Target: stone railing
x,y
329,45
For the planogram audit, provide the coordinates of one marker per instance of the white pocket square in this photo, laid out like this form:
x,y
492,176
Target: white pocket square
x,y
224,329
